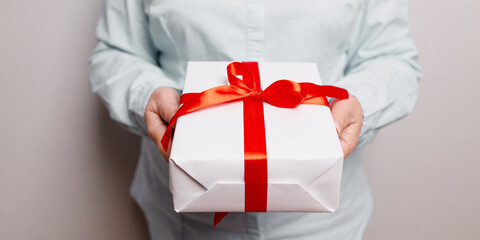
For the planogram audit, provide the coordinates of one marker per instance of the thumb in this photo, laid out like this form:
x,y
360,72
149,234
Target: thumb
x,y
169,107
340,119
341,113
337,127
168,110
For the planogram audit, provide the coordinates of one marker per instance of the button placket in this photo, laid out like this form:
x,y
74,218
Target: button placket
x,y
255,29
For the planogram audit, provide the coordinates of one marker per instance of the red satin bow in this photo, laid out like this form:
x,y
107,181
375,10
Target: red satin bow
x,y
282,93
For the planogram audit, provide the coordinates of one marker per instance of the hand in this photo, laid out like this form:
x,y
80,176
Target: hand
x,y
161,107
348,118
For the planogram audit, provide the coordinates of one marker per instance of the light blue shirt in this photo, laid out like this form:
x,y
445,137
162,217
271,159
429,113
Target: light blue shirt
x,y
361,45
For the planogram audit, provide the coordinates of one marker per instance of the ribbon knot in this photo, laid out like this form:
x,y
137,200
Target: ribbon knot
x,y
258,95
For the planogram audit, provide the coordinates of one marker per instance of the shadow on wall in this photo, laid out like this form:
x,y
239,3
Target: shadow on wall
x,y
118,151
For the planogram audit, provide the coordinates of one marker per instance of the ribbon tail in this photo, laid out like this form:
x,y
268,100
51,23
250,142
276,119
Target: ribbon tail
x,y
336,92
319,91
165,141
219,216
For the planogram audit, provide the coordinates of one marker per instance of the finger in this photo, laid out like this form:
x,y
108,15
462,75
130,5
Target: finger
x,y
341,124
155,126
167,110
169,104
341,116
349,138
156,129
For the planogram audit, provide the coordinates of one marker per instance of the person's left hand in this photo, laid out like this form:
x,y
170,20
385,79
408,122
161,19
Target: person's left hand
x,y
348,118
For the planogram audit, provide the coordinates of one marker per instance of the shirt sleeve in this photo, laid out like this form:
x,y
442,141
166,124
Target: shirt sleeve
x,y
382,70
123,67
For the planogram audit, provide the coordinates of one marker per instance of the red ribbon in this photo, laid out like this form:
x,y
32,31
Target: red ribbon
x,y
282,93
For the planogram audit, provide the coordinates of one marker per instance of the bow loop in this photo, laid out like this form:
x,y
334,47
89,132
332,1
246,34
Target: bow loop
x,y
235,69
284,93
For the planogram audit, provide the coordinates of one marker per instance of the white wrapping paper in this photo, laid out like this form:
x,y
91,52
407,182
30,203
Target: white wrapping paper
x,y
304,155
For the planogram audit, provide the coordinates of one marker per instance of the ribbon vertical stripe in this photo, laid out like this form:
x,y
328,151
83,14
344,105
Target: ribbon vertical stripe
x,y
255,146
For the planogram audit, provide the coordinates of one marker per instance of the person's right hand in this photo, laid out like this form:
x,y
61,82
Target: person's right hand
x,y
161,107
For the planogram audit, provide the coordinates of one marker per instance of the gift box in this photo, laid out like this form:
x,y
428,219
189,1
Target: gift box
x,y
260,152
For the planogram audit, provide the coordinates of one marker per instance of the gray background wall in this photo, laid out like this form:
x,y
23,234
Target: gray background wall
x,y
65,169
